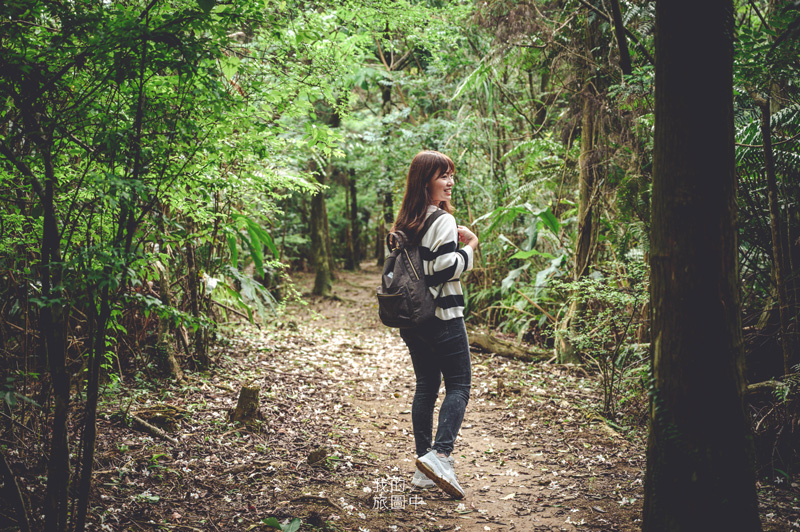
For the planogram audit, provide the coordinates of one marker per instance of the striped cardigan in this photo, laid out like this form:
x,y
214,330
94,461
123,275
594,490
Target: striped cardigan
x,y
443,263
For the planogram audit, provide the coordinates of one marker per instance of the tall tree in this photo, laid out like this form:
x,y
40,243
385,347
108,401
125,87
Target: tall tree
x,y
318,228
700,473
781,268
352,230
322,256
588,184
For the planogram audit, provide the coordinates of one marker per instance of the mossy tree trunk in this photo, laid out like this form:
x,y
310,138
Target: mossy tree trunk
x,y
780,255
587,183
317,222
165,345
353,233
319,228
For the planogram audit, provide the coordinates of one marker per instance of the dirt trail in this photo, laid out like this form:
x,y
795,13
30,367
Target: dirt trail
x,y
334,447
528,456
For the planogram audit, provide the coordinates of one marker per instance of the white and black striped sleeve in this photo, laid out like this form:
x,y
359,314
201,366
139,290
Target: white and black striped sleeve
x,y
444,263
440,249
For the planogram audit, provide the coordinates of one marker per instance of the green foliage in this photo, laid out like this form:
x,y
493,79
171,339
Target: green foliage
x,y
164,132
766,54
523,287
10,396
286,526
611,311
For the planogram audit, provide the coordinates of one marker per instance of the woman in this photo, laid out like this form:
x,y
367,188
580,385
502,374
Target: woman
x,y
438,348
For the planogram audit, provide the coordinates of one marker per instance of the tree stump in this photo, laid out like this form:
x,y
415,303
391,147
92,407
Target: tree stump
x,y
247,408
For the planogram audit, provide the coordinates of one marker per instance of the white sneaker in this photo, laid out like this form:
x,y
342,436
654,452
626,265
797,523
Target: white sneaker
x,y
440,470
421,482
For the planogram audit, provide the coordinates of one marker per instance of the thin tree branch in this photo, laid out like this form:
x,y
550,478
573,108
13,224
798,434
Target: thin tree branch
x,y
758,13
23,168
639,46
778,143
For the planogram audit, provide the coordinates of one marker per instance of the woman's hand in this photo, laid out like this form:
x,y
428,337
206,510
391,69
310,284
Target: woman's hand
x,y
467,237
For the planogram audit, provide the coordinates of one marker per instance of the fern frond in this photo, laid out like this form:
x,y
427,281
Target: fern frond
x,y
787,163
533,186
787,119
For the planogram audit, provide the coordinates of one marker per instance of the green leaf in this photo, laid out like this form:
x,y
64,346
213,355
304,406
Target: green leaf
x,y
27,399
272,522
542,276
532,231
255,251
549,219
206,5
237,298
9,398
511,278
234,250
476,77
505,239
229,65
531,253
252,292
256,230
293,526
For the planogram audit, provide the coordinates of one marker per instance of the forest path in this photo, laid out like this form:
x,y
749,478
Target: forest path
x,y
334,447
530,454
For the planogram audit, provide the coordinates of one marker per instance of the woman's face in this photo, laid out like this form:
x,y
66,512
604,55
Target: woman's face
x,y
440,188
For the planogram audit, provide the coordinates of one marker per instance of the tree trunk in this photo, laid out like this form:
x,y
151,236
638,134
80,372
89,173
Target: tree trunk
x,y
388,201
380,236
544,95
322,254
622,42
319,251
587,161
165,344
349,255
326,226
193,276
793,264
779,253
586,228
53,330
98,324
700,470
354,255
388,212
504,348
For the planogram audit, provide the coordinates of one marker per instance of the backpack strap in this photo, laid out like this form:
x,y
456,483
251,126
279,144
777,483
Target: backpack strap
x,y
428,223
396,240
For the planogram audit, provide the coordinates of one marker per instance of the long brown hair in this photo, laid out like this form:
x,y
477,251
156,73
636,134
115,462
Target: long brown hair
x,y
426,166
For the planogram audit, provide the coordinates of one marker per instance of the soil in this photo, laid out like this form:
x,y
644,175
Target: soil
x,y
333,446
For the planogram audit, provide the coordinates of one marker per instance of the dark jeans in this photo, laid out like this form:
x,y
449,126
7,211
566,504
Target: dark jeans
x,y
439,348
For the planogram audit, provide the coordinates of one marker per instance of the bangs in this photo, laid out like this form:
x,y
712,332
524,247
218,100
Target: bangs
x,y
444,164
